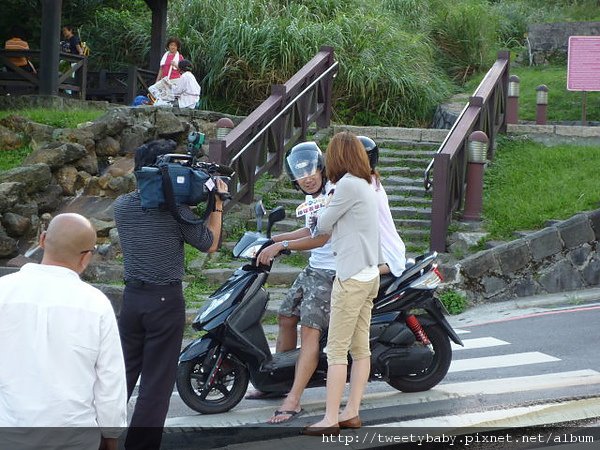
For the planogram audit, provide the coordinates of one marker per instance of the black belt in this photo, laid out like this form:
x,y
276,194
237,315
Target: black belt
x,y
145,284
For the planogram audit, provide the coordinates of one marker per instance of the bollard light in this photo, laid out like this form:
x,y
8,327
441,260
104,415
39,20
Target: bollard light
x,y
542,94
224,126
514,86
477,147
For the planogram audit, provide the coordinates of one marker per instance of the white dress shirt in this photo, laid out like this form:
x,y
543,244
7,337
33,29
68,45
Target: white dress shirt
x,y
188,90
60,352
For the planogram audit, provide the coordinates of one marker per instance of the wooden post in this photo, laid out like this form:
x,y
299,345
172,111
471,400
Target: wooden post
x,y
159,32
51,12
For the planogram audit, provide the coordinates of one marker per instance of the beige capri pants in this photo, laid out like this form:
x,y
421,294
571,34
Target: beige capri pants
x,y
350,320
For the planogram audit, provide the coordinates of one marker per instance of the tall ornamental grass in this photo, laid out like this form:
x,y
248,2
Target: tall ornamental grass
x,y
387,75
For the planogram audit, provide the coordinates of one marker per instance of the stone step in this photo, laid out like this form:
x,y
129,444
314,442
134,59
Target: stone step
x,y
408,172
402,224
421,154
390,180
410,212
414,235
404,200
386,161
280,274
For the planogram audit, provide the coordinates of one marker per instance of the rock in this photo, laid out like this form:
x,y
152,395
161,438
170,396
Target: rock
x,y
168,124
49,199
8,245
66,177
102,227
560,277
89,163
35,177
108,146
57,154
100,208
75,135
133,137
10,194
20,261
15,224
9,140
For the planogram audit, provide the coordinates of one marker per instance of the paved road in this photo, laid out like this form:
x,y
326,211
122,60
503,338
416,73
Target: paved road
x,y
521,366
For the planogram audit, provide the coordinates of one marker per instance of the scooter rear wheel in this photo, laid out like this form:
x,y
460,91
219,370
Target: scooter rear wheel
x,y
437,370
226,391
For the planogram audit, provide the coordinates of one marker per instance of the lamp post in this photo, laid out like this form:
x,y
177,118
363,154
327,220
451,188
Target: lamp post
x,y
512,106
541,100
224,126
477,147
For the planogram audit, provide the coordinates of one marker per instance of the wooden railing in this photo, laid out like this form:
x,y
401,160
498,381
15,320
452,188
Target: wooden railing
x,y
258,144
486,111
119,87
116,87
16,81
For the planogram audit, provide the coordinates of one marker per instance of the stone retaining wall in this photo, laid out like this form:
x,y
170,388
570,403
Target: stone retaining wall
x,y
549,42
561,257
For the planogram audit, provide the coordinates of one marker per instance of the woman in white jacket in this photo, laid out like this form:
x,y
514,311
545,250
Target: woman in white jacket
x,y
351,217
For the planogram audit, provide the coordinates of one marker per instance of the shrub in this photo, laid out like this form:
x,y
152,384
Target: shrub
x,y
454,301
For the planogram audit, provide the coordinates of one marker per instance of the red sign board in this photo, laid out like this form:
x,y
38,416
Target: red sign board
x,y
583,70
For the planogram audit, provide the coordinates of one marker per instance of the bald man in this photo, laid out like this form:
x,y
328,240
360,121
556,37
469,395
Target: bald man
x,y
62,363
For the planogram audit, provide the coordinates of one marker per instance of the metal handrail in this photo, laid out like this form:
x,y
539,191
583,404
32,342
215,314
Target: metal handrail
x,y
283,111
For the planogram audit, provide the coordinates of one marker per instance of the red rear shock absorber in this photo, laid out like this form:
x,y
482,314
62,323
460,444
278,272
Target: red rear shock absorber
x,y
417,329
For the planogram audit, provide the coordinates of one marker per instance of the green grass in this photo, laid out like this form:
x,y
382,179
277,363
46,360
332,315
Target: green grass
x,y
529,183
59,118
68,118
563,105
9,159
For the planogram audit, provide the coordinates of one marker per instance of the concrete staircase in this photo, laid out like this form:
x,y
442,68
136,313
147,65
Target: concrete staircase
x,y
401,166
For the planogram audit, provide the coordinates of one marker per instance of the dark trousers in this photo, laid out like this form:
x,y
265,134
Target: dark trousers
x,y
151,325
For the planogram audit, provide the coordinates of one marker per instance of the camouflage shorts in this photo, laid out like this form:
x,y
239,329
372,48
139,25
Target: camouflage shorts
x,y
310,298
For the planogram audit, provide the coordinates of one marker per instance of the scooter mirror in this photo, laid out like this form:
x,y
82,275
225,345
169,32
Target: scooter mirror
x,y
276,215
260,212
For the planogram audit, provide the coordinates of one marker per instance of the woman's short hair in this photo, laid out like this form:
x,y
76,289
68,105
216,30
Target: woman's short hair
x,y
175,40
346,154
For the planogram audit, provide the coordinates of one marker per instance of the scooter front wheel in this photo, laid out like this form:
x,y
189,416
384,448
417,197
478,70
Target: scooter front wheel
x,y
208,389
437,370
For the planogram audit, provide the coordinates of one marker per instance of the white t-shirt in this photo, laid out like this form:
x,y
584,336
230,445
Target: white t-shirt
x,y
392,247
321,257
62,364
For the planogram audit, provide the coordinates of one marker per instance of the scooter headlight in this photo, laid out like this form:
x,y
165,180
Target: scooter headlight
x,y
251,251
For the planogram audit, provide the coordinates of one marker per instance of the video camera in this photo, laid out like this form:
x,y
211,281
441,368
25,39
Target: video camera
x,y
176,179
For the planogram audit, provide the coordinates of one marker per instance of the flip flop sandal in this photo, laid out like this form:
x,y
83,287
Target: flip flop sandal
x,y
292,415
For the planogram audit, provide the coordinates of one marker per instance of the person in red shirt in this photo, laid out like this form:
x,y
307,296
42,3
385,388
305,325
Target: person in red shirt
x,y
170,60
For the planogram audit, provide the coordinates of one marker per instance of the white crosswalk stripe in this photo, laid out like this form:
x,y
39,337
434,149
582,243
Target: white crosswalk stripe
x,y
495,362
447,390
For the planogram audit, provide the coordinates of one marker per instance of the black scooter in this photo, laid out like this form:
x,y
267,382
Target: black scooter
x,y
410,337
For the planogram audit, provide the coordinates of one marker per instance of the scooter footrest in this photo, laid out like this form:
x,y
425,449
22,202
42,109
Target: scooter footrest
x,y
284,359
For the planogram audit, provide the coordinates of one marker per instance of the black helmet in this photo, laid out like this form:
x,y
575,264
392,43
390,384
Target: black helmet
x,y
304,160
185,65
372,150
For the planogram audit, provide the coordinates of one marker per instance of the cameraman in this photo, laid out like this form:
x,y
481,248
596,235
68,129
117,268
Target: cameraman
x,y
152,316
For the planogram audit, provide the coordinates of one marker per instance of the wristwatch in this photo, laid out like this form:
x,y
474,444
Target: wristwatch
x,y
285,244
